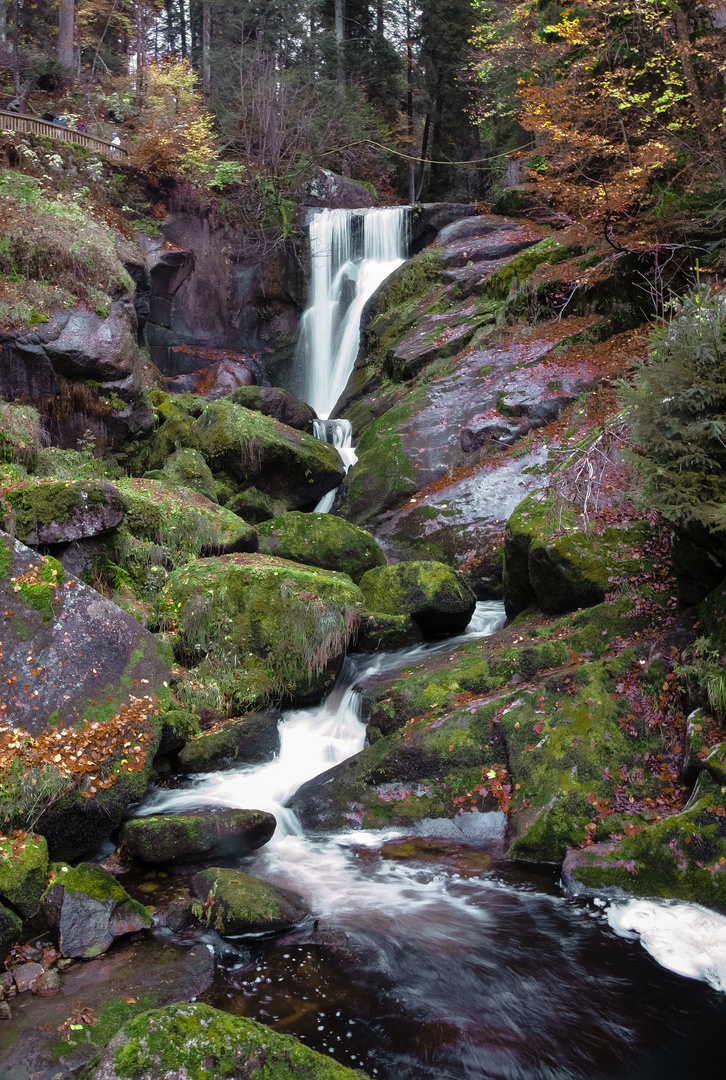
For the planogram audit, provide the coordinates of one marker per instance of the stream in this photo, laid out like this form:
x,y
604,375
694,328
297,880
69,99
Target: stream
x,y
465,967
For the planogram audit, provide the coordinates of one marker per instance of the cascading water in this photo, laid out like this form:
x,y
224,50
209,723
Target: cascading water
x,y
352,252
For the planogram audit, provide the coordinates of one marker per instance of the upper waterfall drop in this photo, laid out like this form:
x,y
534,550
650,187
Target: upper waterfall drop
x,y
352,252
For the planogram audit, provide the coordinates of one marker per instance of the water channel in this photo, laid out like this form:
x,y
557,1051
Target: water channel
x,y
475,969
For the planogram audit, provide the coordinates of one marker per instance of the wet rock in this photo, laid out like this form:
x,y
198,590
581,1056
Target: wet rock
x,y
429,592
188,468
321,540
55,513
177,728
48,984
255,506
153,972
195,1039
6,982
292,623
236,903
337,192
88,909
5,1011
467,861
387,633
211,373
280,404
26,976
250,740
93,650
198,835
23,868
180,915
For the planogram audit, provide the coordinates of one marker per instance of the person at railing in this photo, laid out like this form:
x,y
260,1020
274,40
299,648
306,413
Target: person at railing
x,y
16,105
81,125
60,121
115,141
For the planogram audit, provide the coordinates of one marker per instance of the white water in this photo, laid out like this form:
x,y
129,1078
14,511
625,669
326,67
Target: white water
x,y
346,269
339,433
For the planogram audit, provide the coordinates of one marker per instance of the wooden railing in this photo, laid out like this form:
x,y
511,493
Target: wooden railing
x,y
10,121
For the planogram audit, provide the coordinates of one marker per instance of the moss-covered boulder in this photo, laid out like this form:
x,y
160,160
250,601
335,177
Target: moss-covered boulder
x,y
280,404
198,835
387,633
89,909
55,513
429,592
178,726
552,559
250,740
187,467
236,903
23,868
321,540
181,520
279,627
254,505
258,450
198,1041
11,928
681,857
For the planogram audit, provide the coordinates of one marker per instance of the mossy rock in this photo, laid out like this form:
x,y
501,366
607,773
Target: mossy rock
x,y
258,450
387,633
321,540
51,513
280,404
255,506
677,858
384,475
198,835
188,468
11,929
283,626
236,903
176,428
429,592
178,726
23,868
195,1040
183,521
251,740
88,908
551,559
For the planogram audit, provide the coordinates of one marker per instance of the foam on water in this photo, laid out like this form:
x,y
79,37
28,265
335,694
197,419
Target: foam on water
x,y
685,938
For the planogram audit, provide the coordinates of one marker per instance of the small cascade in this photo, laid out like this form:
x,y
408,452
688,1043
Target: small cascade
x,y
339,433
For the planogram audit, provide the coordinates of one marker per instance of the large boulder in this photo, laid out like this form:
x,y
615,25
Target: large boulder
x,y
68,652
429,592
321,540
57,513
182,520
197,835
280,404
11,927
188,468
236,903
88,909
331,191
196,1040
552,559
23,868
248,741
284,627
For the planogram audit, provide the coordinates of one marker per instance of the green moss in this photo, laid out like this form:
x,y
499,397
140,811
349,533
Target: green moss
x,y
321,540
46,503
421,590
114,1013
11,929
187,467
95,882
498,284
22,874
206,1044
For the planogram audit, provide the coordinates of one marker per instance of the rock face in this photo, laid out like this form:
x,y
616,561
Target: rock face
x,y
88,909
291,623
251,740
56,626
53,364
321,540
196,1040
430,593
237,903
198,835
280,404
337,193
51,513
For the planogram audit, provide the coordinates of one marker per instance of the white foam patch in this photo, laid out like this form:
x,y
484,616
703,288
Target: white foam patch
x,y
684,938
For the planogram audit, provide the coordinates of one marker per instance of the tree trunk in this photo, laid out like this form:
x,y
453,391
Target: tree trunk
x,y
170,28
16,46
694,91
66,28
206,43
183,28
3,22
340,38
380,28
409,108
424,150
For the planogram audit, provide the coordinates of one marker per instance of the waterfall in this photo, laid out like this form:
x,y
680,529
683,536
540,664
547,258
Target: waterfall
x,y
352,252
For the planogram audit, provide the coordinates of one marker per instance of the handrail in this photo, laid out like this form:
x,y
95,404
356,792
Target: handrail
x,y
10,121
